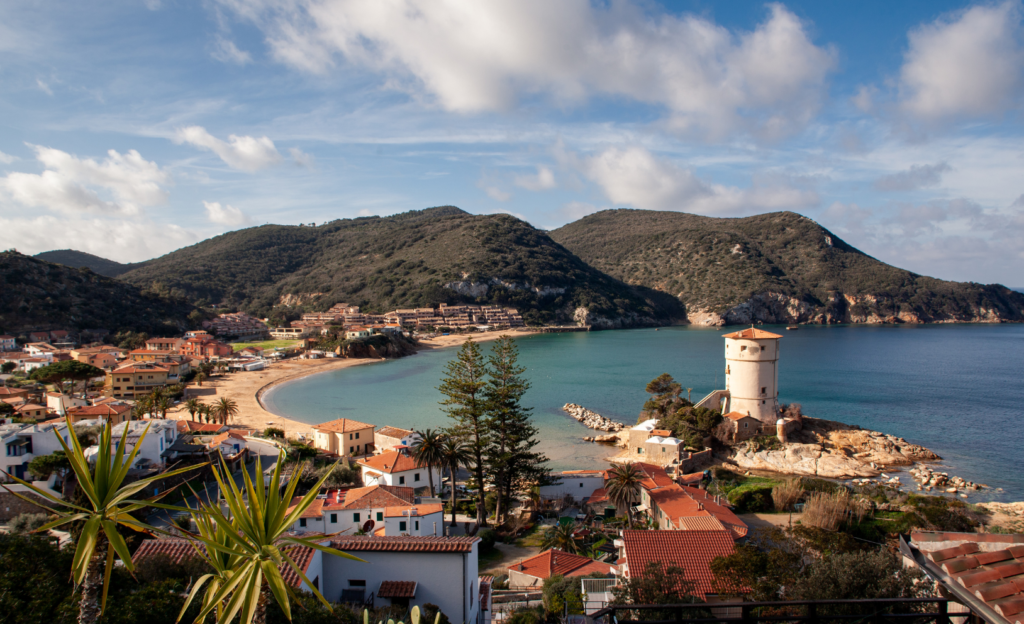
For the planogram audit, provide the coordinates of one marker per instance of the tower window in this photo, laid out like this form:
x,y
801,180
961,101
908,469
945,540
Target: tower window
x,y
764,389
743,348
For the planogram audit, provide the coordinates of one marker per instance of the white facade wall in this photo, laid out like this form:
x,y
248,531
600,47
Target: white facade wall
x,y
61,404
44,442
577,486
429,524
752,377
345,520
161,435
448,580
407,478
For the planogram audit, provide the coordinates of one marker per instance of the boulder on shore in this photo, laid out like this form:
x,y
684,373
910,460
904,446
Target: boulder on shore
x,y
590,419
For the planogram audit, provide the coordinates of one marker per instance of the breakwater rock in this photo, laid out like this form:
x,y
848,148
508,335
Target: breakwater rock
x,y
608,438
928,480
591,419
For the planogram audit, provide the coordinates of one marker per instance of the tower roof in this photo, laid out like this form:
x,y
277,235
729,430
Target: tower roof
x,y
752,333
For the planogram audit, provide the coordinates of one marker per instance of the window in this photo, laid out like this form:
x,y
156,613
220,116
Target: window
x,y
743,348
334,518
350,436
302,522
402,525
356,583
355,517
764,389
357,435
581,484
745,425
380,516
417,525
416,477
401,480
639,450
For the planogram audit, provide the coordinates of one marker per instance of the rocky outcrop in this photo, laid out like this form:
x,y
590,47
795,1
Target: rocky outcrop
x,y
297,299
608,438
831,449
591,419
479,289
378,346
928,480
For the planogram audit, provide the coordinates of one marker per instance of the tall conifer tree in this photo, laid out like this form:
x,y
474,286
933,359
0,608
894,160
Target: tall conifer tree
x,y
463,385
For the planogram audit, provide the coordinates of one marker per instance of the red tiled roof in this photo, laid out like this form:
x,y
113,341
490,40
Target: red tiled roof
x,y
692,551
655,476
191,425
390,462
140,367
5,391
222,437
178,550
674,502
718,510
988,566
553,562
315,509
366,543
736,416
701,523
485,590
421,510
342,425
600,495
397,589
393,432
752,333
376,496
100,410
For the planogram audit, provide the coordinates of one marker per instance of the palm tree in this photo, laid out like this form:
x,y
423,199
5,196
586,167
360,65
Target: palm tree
x,y
224,410
456,453
247,547
200,376
109,503
204,412
624,487
563,537
162,405
192,405
427,452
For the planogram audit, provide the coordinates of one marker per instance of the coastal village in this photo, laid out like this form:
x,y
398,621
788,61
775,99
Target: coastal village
x,y
396,512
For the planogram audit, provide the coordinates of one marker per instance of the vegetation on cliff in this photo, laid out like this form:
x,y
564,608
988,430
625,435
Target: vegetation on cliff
x,y
42,295
414,259
78,259
787,266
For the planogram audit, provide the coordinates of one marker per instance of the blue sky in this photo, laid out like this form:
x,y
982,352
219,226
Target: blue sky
x,y
131,128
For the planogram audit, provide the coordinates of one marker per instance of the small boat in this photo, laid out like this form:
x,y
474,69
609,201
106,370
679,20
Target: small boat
x,y
792,327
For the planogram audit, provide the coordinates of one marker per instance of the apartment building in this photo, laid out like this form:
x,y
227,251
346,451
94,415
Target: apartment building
x,y
235,324
8,343
135,380
344,437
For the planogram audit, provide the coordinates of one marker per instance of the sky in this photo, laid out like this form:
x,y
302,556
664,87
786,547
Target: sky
x,y
130,128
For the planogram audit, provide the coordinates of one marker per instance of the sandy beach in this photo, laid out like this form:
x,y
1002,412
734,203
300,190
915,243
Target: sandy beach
x,y
245,388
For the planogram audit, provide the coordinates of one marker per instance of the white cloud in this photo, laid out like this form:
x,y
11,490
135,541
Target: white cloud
x,y
74,185
864,100
45,88
301,158
543,180
120,239
918,176
7,159
225,51
496,193
633,176
969,63
225,215
239,152
472,57
576,210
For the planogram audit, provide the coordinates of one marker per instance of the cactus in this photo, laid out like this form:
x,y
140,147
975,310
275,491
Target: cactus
x,y
414,617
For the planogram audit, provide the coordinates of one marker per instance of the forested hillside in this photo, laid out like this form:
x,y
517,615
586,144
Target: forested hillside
x,y
778,267
79,259
414,259
40,295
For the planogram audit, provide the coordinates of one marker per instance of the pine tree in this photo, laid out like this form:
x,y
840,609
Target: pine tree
x,y
463,385
510,458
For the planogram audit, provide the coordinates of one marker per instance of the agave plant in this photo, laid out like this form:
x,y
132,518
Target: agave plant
x,y
414,617
109,505
248,546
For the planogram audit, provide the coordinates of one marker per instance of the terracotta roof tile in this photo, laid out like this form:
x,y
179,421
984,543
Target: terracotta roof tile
x,y
375,496
420,510
178,550
692,551
366,543
393,432
552,562
397,589
752,333
342,425
390,462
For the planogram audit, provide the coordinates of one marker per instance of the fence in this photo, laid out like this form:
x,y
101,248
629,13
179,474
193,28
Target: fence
x,y
873,611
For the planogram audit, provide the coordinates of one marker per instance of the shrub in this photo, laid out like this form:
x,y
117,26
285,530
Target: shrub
x,y
785,494
27,522
752,498
830,511
487,539
274,432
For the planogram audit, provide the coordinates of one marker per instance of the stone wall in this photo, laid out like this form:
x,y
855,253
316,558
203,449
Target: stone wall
x,y
692,462
11,505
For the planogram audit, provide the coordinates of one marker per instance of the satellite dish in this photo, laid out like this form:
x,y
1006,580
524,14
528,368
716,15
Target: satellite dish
x,y
368,526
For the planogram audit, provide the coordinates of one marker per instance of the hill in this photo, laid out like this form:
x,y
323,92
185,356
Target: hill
x,y
79,259
415,259
40,295
777,268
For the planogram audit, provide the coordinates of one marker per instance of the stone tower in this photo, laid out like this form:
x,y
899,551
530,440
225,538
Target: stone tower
x,y
752,373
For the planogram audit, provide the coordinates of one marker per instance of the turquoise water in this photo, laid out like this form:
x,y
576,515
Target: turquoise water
x,y
957,389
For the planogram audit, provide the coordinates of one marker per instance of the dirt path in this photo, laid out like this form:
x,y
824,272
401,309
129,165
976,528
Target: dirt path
x,y
510,554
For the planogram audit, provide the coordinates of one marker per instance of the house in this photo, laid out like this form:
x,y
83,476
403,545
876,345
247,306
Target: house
x,y
662,450
344,437
29,364
8,343
203,345
22,445
38,336
738,427
389,437
160,435
532,572
32,411
693,551
96,357
357,332
682,508
135,380
228,443
357,508
407,571
59,403
192,426
165,344
420,520
61,336
290,333
13,393
639,434
40,349
579,484
396,468
113,413
309,560
984,572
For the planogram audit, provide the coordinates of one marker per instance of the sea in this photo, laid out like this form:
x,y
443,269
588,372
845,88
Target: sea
x,y
956,389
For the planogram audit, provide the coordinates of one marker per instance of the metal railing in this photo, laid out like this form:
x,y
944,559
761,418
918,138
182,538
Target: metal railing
x,y
874,611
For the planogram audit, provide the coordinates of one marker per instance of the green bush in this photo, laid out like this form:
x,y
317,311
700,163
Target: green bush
x,y
752,498
487,539
27,522
274,432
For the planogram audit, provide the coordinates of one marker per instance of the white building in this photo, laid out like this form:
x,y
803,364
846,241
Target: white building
x,y
387,438
154,450
752,374
396,468
8,343
579,484
418,520
349,511
21,446
60,403
408,571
